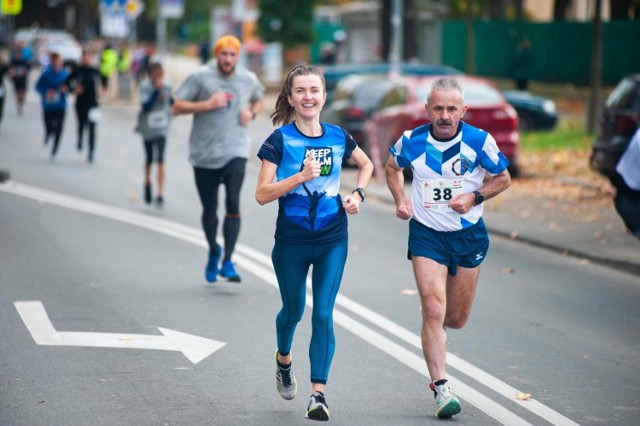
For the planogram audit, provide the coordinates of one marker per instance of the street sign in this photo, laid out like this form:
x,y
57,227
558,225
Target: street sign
x,y
35,317
114,23
171,8
11,7
134,8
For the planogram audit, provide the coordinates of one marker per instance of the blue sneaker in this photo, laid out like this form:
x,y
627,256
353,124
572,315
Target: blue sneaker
x,y
211,271
229,272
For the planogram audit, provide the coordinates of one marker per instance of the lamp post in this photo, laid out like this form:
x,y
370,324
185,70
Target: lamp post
x,y
396,35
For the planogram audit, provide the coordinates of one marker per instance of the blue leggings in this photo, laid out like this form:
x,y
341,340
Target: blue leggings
x,y
291,263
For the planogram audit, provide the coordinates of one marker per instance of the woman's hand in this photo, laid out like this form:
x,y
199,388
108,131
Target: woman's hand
x,y
351,204
311,168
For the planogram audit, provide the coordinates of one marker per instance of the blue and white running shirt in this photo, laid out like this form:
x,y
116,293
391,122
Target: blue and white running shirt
x,y
311,212
443,169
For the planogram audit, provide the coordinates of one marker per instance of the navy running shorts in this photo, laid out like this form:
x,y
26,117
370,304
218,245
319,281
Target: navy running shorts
x,y
467,247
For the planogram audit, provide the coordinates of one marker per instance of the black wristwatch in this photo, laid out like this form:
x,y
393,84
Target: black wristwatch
x,y
479,197
361,192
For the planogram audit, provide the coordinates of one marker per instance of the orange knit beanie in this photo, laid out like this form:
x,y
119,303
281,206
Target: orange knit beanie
x,y
226,42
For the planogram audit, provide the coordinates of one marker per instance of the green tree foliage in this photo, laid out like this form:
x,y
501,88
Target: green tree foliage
x,y
286,22
461,9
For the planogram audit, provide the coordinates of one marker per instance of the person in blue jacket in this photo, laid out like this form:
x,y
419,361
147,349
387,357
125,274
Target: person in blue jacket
x,y
52,86
301,165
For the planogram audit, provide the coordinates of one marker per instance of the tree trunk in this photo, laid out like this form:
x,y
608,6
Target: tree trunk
x,y
409,28
620,9
409,32
385,33
470,62
519,9
560,9
496,9
596,69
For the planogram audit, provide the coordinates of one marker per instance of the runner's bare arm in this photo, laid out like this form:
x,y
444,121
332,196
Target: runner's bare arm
x,y
249,113
351,202
395,182
267,190
217,100
462,203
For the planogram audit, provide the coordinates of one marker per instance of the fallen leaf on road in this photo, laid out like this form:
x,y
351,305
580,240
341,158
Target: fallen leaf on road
x,y
591,217
126,338
521,396
409,292
513,235
508,271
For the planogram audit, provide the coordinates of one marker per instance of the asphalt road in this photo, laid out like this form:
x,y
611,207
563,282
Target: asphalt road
x,y
99,268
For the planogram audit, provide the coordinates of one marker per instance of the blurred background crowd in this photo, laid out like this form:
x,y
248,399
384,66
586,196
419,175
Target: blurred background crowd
x,y
533,65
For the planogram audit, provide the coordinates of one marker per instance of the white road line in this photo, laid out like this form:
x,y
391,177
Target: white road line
x,y
35,318
260,266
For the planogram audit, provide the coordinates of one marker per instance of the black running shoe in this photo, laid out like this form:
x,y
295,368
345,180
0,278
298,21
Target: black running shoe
x,y
147,194
160,202
318,408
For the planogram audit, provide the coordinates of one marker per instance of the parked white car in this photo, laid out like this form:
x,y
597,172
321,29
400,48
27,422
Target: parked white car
x,y
58,41
43,42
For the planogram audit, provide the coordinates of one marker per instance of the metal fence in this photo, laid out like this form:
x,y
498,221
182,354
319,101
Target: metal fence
x,y
561,51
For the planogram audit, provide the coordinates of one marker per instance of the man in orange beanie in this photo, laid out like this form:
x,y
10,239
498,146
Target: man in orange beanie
x,y
223,97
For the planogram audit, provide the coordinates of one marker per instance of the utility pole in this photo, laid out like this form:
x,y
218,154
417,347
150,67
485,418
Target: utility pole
x,y
396,35
161,32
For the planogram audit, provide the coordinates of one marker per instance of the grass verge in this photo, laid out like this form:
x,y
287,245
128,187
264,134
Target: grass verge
x,y
569,134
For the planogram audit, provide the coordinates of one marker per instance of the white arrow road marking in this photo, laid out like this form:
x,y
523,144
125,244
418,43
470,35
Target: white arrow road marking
x,y
35,317
259,265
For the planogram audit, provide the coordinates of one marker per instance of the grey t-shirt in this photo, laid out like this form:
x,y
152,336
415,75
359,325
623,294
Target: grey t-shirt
x,y
217,136
155,122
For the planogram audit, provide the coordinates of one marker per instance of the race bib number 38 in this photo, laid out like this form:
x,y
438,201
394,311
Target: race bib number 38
x,y
436,193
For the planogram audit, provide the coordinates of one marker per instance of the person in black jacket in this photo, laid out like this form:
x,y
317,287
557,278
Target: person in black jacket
x,y
4,68
85,83
19,72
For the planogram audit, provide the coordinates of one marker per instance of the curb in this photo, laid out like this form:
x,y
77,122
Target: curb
x,y
632,268
629,267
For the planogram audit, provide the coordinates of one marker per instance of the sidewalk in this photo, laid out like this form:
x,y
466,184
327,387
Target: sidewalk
x,y
582,224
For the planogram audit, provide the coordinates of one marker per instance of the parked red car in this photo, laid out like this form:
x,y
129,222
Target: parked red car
x,y
404,109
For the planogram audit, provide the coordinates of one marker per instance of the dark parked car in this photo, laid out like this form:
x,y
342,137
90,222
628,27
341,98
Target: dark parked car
x,y
619,121
334,73
404,109
356,97
534,112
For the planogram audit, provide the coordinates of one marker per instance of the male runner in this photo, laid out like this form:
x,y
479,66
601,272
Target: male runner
x,y
224,98
447,236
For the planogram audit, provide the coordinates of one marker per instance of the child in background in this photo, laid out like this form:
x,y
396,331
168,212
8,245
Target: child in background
x,y
153,125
